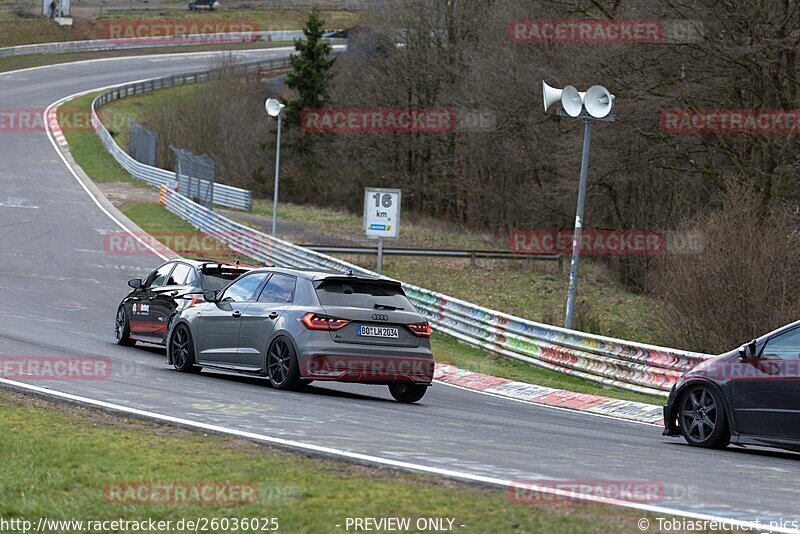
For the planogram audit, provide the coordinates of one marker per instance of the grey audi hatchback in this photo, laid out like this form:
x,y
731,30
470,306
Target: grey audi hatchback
x,y
297,326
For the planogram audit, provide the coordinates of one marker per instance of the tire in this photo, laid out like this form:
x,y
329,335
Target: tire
x,y
122,329
181,350
282,367
702,418
407,393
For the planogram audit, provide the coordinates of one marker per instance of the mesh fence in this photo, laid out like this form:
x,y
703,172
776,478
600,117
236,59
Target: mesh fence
x,y
142,144
195,176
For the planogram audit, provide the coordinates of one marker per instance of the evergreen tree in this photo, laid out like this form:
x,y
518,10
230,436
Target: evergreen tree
x,y
310,66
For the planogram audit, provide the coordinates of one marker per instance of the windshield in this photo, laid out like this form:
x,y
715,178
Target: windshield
x,y
216,278
362,294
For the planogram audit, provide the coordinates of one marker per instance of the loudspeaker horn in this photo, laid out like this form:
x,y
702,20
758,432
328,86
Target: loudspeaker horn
x,y
598,101
572,101
550,95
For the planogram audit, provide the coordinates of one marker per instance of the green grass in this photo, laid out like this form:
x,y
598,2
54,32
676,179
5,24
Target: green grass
x,y
418,232
115,115
85,145
170,229
57,461
15,30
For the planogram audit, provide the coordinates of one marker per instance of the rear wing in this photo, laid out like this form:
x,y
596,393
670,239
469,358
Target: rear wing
x,y
360,279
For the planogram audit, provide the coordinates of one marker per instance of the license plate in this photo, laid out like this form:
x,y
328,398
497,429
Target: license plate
x,y
377,331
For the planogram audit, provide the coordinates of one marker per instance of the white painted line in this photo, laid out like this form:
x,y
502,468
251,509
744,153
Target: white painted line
x,y
408,466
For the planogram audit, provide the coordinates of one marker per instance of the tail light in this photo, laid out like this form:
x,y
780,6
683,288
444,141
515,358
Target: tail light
x,y
420,329
314,321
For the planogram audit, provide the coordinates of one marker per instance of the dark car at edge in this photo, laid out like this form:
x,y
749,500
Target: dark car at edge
x,y
748,396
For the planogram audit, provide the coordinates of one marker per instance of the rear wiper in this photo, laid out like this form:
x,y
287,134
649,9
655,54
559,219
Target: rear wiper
x,y
386,307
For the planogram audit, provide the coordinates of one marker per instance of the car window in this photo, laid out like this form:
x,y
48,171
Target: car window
x,y
244,289
159,277
785,346
179,275
278,290
216,278
191,280
362,294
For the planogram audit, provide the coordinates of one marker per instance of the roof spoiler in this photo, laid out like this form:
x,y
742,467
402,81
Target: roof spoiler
x,y
357,278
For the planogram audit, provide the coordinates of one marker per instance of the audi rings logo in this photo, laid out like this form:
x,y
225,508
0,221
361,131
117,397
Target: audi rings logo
x,y
380,317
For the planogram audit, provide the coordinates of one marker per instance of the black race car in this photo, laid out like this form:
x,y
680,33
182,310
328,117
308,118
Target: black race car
x,y
748,396
146,313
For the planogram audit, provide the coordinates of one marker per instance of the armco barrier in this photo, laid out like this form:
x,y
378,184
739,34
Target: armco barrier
x,y
613,362
632,366
224,195
103,45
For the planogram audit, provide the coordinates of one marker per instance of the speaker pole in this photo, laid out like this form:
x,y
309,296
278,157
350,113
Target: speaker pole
x,y
576,236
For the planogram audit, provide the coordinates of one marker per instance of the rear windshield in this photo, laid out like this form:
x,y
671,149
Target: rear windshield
x,y
216,278
362,294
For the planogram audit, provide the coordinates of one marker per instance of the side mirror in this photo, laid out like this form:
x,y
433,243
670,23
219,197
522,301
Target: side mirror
x,y
210,296
748,350
136,283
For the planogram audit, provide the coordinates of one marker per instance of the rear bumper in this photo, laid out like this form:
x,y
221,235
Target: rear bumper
x,y
366,364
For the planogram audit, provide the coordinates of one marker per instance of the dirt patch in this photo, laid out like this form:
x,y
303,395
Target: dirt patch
x,y
120,193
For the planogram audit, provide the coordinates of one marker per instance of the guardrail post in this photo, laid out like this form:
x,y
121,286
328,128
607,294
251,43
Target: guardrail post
x,y
472,260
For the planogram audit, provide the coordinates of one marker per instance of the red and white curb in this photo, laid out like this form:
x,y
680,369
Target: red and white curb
x,y
583,402
55,128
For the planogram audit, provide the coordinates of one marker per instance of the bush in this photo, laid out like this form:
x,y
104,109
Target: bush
x,y
744,283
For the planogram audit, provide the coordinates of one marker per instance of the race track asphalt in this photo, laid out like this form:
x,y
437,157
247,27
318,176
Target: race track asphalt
x,y
59,290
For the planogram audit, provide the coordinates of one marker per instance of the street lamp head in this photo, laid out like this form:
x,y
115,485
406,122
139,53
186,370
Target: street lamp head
x,y
274,107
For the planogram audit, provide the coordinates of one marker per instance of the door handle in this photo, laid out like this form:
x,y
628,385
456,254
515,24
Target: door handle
x,y
237,313
273,315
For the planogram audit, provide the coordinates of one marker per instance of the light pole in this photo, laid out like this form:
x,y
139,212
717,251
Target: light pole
x,y
275,109
594,104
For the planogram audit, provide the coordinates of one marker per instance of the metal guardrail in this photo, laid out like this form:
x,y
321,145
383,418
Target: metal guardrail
x,y
613,362
473,255
224,195
128,43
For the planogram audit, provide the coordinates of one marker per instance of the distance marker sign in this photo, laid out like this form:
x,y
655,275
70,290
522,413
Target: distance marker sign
x,y
382,212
